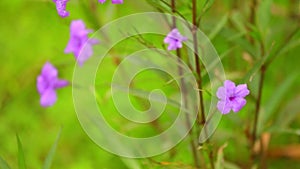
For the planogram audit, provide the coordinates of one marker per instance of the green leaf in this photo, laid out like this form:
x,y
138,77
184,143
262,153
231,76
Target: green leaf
x,y
49,158
229,165
207,5
290,46
284,46
158,5
238,22
131,163
21,157
238,39
253,71
287,114
275,100
220,157
286,131
263,15
3,164
214,63
218,27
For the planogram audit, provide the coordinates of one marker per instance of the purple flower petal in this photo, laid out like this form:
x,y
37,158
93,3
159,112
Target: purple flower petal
x,y
101,1
238,104
174,39
60,84
41,84
241,90
86,53
229,85
221,93
48,98
49,70
117,1
223,107
61,7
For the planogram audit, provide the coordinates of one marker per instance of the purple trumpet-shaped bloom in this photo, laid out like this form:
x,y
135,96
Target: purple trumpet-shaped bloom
x,y
174,39
231,97
80,44
61,7
113,1
47,83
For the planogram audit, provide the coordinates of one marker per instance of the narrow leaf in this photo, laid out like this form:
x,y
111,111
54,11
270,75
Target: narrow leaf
x,y
131,163
49,158
218,27
253,71
287,114
263,15
21,157
220,157
229,165
3,164
275,100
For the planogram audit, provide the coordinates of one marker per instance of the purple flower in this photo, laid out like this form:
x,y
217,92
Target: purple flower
x,y
47,83
80,44
113,1
117,1
61,7
231,97
174,39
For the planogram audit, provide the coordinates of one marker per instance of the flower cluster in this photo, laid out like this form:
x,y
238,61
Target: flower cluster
x,y
231,97
61,6
79,44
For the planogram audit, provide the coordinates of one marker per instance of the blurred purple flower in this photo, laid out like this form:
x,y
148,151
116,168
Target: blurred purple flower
x,y
47,83
61,7
113,1
117,1
174,39
80,44
231,97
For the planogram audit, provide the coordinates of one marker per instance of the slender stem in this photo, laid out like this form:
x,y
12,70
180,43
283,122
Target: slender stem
x,y
202,118
253,5
173,6
258,105
188,122
252,18
258,102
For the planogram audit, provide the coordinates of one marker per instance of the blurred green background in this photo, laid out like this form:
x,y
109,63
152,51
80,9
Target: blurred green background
x,y
32,33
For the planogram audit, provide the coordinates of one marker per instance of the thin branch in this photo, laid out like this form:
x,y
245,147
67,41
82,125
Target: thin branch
x,y
182,83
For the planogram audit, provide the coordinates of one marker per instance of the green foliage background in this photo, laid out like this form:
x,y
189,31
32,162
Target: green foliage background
x,y
32,33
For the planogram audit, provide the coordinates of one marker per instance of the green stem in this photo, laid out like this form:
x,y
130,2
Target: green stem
x,y
202,118
182,83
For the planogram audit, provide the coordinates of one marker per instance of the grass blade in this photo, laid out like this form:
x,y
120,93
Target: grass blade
x,y
220,157
49,158
218,27
275,100
21,158
131,163
3,164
